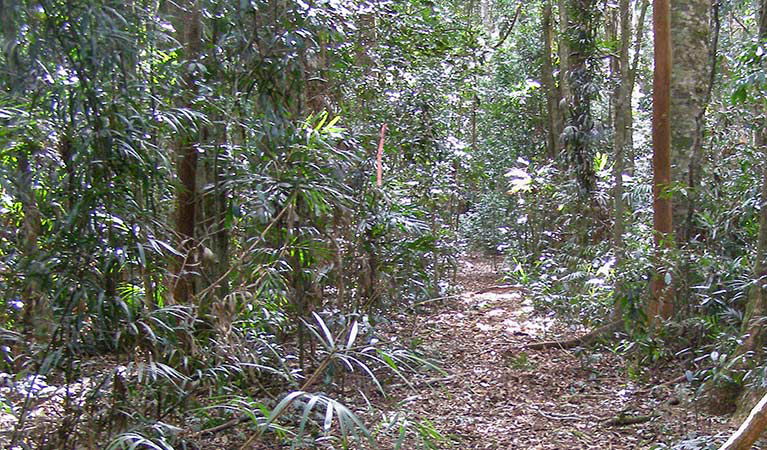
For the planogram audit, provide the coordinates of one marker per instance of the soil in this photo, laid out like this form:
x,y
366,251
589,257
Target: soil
x,y
496,394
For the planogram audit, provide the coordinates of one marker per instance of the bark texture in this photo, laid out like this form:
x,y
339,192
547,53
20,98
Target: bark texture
x,y
750,430
661,302
189,25
579,133
689,84
754,326
621,74
553,95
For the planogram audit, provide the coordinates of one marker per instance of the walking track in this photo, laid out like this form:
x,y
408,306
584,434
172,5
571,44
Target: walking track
x,y
498,395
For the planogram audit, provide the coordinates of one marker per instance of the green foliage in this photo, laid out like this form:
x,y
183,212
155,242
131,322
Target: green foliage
x,y
415,433
293,242
295,253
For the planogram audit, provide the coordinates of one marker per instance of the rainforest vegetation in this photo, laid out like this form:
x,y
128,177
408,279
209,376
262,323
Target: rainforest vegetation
x,y
396,224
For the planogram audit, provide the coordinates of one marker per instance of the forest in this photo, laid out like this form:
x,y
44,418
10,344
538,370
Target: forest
x,y
394,224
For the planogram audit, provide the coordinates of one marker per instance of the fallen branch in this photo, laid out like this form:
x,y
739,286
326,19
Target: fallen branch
x,y
432,300
559,416
680,379
500,287
584,340
750,430
224,426
622,421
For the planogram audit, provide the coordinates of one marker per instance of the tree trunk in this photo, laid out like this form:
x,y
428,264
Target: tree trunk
x,y
553,95
189,22
750,430
629,111
579,132
661,301
564,58
622,128
689,83
37,315
754,326
214,233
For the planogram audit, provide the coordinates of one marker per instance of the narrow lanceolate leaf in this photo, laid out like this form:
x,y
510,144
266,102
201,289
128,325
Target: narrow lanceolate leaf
x,y
305,416
320,337
358,425
282,405
352,334
370,373
325,329
328,416
402,435
141,254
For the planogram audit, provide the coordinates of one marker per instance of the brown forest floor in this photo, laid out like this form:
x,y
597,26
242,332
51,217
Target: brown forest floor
x,y
498,395
495,394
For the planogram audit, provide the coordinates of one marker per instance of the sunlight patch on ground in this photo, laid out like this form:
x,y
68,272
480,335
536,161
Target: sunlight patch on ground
x,y
509,313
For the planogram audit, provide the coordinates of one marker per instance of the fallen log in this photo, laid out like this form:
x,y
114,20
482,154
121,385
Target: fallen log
x,y
750,429
586,339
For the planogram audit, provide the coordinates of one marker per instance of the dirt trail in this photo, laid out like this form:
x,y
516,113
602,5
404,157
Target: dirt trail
x,y
498,395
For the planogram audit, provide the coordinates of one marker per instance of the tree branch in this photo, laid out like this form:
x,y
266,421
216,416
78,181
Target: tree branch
x,y
508,30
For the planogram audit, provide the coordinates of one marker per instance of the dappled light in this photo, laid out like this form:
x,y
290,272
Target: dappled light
x,y
394,224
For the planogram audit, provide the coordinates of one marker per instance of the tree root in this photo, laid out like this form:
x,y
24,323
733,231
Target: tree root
x,y
580,341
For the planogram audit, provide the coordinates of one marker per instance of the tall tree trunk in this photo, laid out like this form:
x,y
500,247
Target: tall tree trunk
x,y
563,48
37,314
629,111
611,35
754,326
189,26
213,233
580,126
553,95
661,301
564,58
622,128
689,83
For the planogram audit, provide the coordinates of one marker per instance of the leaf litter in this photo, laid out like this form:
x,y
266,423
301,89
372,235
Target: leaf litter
x,y
494,393
497,394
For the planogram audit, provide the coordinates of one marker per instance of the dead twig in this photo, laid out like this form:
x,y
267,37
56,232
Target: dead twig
x,y
560,416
